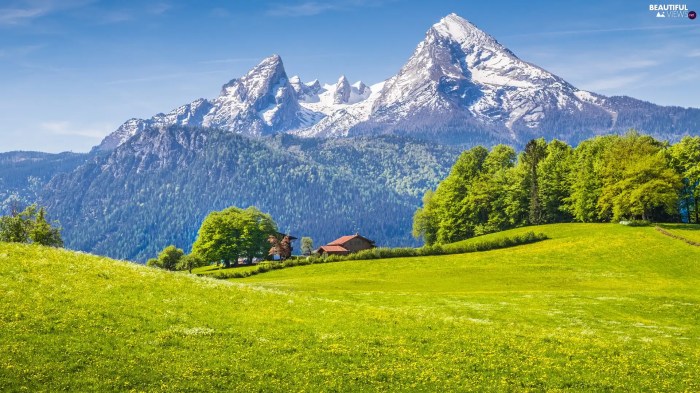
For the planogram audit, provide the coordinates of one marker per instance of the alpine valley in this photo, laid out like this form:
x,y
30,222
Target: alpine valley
x,y
323,159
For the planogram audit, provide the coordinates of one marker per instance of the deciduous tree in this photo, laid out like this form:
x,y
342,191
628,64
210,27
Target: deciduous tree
x,y
30,226
307,245
535,151
280,247
637,178
190,261
169,258
685,158
233,233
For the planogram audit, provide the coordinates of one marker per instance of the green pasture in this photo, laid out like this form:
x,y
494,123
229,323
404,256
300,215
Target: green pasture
x,y
597,307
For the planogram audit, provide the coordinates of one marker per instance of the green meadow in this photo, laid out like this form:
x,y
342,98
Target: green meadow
x,y
597,307
689,232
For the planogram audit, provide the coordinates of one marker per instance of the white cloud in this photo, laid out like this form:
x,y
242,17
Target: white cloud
x,y
159,77
94,131
160,8
310,8
26,11
613,83
598,31
613,70
16,16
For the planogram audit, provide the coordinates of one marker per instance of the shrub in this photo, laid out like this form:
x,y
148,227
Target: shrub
x,y
383,252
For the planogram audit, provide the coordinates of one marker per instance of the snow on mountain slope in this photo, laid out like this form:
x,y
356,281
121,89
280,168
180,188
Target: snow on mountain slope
x,y
459,86
340,118
459,70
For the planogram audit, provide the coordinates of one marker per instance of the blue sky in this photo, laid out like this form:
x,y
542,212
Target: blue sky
x,y
71,71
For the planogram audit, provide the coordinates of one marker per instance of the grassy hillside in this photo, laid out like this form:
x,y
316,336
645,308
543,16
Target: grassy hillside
x,y
689,232
595,308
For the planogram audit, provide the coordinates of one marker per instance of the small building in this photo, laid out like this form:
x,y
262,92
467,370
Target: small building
x,y
346,245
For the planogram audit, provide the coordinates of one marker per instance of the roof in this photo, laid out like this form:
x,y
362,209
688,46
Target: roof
x,y
344,239
280,234
333,248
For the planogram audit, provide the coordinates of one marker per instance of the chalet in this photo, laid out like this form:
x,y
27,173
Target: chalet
x,y
346,245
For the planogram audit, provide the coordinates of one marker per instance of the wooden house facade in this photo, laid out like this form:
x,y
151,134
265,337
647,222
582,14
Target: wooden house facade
x,y
346,245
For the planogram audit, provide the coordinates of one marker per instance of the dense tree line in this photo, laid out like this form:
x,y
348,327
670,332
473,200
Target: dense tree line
x,y
606,178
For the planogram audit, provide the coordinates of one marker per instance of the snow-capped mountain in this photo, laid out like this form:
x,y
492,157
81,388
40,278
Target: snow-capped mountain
x,y
460,71
459,86
263,101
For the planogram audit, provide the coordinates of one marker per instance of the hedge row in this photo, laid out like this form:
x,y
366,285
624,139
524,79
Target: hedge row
x,y
382,253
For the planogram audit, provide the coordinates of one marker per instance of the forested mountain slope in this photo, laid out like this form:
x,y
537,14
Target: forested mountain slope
x,y
156,188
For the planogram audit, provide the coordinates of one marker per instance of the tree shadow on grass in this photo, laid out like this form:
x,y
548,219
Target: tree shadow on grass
x,y
685,227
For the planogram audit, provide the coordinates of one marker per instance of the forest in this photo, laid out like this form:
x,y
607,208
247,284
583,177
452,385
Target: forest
x,y
633,178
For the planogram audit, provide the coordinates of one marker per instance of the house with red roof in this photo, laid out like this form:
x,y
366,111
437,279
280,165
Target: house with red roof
x,y
346,245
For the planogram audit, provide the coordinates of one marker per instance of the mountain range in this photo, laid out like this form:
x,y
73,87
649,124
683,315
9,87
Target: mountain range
x,y
460,86
323,159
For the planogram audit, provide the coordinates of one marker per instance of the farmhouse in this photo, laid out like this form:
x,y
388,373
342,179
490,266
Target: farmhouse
x,y
346,245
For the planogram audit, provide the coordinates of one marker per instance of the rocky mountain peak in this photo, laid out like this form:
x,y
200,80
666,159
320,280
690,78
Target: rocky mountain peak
x,y
259,80
342,91
361,88
460,30
314,84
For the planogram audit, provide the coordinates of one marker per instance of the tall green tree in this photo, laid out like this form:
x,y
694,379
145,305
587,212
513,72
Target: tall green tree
x,y
468,201
685,158
454,223
554,182
257,227
43,233
585,179
426,219
637,179
16,227
233,233
485,202
516,197
535,152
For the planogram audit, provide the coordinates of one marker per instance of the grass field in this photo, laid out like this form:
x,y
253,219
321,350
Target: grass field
x,y
598,307
690,232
